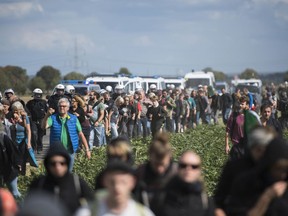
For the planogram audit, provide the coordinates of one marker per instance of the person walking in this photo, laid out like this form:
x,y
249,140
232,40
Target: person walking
x,y
185,193
58,181
66,128
38,109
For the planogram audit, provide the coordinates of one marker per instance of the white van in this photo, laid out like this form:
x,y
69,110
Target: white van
x,y
81,86
158,81
104,81
176,82
194,79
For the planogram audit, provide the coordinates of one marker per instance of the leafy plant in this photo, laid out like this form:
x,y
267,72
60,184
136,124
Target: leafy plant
x,y
207,141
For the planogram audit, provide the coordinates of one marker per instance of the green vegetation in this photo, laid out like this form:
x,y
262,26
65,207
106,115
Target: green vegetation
x,y
207,141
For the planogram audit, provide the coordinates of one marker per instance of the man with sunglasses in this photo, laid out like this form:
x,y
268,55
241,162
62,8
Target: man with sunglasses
x,y
185,194
66,187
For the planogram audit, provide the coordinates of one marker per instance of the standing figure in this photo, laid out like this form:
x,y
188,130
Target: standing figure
x,y
37,108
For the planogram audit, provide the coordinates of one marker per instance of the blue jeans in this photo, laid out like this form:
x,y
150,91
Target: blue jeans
x,y
97,136
142,126
72,157
114,131
13,187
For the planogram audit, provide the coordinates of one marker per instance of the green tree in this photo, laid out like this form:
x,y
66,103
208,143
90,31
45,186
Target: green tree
x,y
74,76
124,70
285,76
14,77
249,74
219,75
92,74
37,82
50,75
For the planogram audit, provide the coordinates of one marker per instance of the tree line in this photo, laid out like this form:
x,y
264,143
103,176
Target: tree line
x,y
47,77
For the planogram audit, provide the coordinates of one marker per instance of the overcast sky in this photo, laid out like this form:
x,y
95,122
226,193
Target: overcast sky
x,y
149,37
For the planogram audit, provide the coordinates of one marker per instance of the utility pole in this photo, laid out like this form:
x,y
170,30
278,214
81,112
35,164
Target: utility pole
x,y
76,57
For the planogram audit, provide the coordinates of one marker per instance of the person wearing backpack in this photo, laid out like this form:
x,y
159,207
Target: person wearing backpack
x,y
37,108
184,194
59,182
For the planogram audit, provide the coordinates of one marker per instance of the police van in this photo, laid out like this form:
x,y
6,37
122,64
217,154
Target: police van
x,y
82,86
108,80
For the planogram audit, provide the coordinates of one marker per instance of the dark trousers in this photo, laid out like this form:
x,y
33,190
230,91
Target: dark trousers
x,y
170,125
156,126
37,135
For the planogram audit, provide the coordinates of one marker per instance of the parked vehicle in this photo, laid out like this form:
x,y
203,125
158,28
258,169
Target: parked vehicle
x,y
194,79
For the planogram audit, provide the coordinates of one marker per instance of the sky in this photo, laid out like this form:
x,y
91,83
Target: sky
x,y
149,37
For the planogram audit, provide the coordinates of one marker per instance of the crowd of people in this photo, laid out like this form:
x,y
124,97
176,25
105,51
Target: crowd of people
x,y
253,181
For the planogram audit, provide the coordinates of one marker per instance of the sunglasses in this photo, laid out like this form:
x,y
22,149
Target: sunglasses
x,y
193,166
62,106
54,163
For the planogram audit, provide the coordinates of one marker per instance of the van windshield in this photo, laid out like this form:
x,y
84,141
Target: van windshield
x,y
104,84
193,83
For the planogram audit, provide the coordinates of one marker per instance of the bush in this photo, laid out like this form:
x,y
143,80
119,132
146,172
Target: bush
x,y
207,141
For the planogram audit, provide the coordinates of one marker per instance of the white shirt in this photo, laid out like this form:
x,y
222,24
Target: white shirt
x,y
132,209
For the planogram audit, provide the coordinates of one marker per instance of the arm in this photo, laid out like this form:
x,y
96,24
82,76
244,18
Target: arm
x,y
227,148
28,132
84,141
45,119
100,118
276,190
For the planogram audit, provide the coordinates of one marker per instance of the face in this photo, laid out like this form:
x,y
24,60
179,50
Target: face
x,y
63,108
126,100
164,94
92,97
119,185
74,103
155,103
60,91
8,95
266,113
160,165
189,167
244,105
6,108
279,170
58,166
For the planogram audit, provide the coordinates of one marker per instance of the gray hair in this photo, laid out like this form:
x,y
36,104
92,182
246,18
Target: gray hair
x,y
64,100
261,136
17,106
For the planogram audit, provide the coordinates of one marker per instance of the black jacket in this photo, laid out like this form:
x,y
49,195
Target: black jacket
x,y
9,159
249,186
183,199
69,188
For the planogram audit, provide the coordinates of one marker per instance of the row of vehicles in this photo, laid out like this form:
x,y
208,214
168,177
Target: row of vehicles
x,y
190,81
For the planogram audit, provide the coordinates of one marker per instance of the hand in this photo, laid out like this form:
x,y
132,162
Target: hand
x,y
16,117
96,124
50,111
277,189
227,149
219,212
23,113
88,154
29,145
